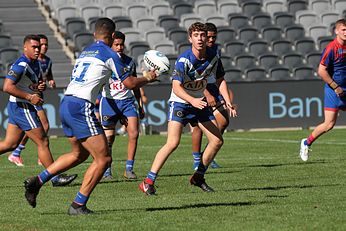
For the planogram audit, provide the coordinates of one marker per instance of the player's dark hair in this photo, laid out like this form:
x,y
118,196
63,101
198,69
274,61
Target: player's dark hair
x,y
31,37
104,26
42,36
197,26
211,27
340,22
119,35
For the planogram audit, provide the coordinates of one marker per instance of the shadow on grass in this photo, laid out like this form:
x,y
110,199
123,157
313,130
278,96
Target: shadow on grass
x,y
288,164
206,205
208,173
274,188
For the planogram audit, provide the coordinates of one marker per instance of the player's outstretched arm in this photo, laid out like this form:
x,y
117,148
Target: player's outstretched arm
x,y
132,82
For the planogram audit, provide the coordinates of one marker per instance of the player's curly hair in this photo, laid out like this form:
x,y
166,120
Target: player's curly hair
x,y
197,26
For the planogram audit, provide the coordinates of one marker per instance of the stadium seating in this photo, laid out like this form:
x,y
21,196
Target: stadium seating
x,y
295,5
233,74
250,8
247,33
279,72
305,45
165,46
292,59
274,6
323,41
313,58
5,41
181,7
244,61
205,7
226,7
283,19
225,34
237,20
303,72
258,46
159,8
317,30
329,17
168,22
155,35
234,47
281,46
111,11
268,60
261,20
122,21
319,6
178,35
293,32
226,61
137,48
255,73
271,33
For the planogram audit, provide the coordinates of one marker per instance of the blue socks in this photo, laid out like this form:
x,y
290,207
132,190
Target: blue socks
x,y
152,176
18,150
129,165
196,157
81,199
44,176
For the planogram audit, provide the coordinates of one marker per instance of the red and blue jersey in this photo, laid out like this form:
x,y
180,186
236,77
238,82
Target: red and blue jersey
x,y
334,58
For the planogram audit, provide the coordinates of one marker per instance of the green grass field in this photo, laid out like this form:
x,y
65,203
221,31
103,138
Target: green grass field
x,y
262,185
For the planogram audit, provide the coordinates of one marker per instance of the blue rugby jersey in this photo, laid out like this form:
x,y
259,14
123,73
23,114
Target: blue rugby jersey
x,y
194,73
26,74
92,71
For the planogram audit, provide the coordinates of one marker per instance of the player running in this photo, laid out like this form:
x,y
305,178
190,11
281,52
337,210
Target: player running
x,y
332,69
24,84
91,72
188,105
47,74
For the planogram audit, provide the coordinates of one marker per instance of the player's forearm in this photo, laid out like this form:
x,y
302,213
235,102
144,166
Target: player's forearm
x,y
223,88
10,88
180,91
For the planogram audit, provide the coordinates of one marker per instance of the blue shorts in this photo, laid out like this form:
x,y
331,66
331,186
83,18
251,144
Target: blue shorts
x,y
332,102
112,110
186,113
24,115
78,118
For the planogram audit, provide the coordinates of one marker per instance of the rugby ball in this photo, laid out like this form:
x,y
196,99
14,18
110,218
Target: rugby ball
x,y
154,59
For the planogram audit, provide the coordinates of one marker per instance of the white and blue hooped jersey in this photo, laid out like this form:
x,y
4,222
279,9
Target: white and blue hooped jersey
x,y
115,87
194,73
26,74
92,71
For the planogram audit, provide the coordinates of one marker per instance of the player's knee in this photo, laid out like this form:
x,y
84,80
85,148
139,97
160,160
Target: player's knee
x,y
217,143
330,126
133,134
108,160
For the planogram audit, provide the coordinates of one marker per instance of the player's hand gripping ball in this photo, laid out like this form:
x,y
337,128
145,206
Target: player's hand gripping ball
x,y
154,59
